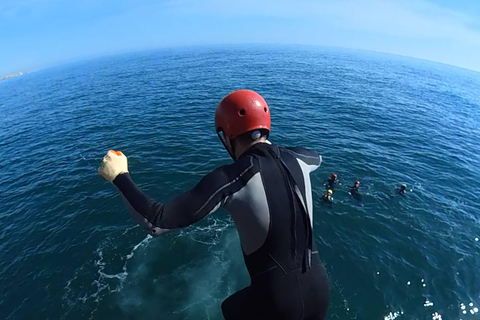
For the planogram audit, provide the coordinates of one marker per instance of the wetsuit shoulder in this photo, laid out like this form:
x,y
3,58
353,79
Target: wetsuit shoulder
x,y
308,156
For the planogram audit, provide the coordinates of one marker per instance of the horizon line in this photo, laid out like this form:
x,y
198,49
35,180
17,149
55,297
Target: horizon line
x,y
140,50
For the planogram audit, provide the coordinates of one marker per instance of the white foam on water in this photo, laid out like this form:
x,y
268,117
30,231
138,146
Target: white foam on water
x,y
473,308
392,315
102,285
428,303
121,275
138,245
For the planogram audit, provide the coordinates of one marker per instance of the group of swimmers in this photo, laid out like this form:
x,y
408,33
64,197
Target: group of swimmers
x,y
354,190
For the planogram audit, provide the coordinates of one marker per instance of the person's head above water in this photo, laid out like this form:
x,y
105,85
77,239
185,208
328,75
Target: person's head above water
x,y
330,192
334,176
242,119
403,186
357,183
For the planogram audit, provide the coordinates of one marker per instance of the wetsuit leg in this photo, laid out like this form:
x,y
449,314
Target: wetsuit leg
x,y
294,297
241,305
262,303
315,291
276,300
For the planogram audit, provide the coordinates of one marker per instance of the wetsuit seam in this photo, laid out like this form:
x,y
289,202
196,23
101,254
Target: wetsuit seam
x,y
268,204
285,272
223,187
302,155
301,297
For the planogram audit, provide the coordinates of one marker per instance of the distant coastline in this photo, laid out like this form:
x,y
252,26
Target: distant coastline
x,y
10,76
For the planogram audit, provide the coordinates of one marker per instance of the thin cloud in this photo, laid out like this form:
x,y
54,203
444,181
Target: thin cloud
x,y
411,19
415,28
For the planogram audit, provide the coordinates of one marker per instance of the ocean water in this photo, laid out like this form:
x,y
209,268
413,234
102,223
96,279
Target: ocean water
x,y
69,250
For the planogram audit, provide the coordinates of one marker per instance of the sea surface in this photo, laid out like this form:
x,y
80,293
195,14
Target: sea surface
x,y
69,249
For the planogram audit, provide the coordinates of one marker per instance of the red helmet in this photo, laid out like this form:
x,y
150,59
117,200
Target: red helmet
x,y
241,111
334,175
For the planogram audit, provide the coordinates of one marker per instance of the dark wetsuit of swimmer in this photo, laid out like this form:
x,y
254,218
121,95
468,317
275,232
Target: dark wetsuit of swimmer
x,y
268,193
355,192
330,183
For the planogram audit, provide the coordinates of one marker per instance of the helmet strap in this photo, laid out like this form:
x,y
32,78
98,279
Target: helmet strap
x,y
232,153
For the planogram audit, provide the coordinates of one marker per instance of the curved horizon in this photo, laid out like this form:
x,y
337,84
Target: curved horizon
x,y
211,46
39,33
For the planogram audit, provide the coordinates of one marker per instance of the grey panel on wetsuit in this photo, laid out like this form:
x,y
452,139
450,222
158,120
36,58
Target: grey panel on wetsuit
x,y
306,169
249,210
308,156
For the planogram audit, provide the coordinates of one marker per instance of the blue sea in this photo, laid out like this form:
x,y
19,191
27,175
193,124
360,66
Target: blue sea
x,y
69,249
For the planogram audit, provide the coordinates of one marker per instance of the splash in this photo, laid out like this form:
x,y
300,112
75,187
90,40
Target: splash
x,y
393,315
80,294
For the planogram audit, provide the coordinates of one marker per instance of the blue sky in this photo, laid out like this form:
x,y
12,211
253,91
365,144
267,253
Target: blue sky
x,y
40,33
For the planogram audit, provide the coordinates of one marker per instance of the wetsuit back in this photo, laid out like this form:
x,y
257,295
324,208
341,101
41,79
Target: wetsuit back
x,y
331,183
268,193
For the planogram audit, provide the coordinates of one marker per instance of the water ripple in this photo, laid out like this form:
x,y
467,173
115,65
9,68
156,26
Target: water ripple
x,y
385,120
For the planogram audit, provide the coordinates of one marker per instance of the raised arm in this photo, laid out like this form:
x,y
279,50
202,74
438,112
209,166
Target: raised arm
x,y
187,208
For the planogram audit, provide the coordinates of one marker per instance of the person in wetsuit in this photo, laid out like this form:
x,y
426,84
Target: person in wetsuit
x,y
267,191
327,197
403,189
330,183
354,190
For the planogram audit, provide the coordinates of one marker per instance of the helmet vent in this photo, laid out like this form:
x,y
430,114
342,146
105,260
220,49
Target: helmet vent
x,y
265,109
242,112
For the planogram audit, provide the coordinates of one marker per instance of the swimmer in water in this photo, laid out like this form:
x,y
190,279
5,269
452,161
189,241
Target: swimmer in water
x,y
327,197
355,192
330,183
354,189
403,189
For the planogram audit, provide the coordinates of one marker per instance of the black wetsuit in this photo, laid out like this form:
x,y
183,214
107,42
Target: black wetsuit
x,y
268,193
331,183
355,193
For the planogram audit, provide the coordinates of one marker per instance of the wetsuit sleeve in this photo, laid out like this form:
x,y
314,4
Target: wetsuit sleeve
x,y
309,157
186,209
189,207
